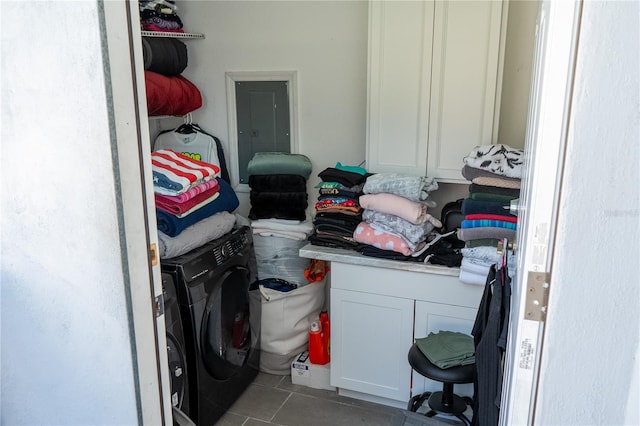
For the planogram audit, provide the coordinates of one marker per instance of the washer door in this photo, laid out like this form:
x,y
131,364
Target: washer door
x,y
177,369
226,334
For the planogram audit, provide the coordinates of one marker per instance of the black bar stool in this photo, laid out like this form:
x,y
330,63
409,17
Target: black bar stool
x,y
445,401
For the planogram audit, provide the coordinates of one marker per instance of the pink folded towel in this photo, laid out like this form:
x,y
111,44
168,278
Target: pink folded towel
x,y
165,203
413,211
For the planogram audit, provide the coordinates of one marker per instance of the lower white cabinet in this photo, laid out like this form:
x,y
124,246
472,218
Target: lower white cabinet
x,y
369,341
375,315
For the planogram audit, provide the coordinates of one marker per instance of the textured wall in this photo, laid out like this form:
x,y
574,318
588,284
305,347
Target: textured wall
x,y
590,357
66,349
516,81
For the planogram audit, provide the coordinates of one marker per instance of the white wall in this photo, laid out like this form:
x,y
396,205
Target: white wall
x,y
517,72
326,42
589,372
66,340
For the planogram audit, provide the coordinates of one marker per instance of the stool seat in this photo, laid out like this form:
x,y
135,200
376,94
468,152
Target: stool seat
x,y
457,375
445,401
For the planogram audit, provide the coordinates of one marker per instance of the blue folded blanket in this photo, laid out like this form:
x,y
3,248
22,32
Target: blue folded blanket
x,y
226,201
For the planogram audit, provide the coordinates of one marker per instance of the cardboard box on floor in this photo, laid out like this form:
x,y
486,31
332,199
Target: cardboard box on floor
x,y
312,375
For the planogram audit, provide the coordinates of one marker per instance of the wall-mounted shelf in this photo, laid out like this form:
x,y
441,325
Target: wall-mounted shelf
x,y
171,34
163,117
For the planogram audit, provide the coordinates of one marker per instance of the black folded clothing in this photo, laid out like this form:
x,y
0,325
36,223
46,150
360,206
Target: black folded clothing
x,y
349,179
487,189
371,251
333,241
278,183
335,229
166,56
278,205
279,200
338,218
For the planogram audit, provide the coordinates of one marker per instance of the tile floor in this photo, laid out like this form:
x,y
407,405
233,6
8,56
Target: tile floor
x,y
274,400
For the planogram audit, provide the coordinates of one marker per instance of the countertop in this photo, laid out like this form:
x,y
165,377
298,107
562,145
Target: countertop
x,y
354,258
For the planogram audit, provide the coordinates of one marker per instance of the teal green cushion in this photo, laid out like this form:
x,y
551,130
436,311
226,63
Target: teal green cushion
x,y
279,163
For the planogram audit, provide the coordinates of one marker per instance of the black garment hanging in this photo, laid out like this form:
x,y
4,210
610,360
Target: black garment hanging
x,y
490,337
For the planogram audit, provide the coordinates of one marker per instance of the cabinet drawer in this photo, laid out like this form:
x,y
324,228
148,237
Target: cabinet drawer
x,y
405,284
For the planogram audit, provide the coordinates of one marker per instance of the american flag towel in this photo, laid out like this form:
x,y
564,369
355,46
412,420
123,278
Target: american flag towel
x,y
175,173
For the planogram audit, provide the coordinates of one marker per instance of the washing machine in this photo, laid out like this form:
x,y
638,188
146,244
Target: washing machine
x,y
220,307
175,347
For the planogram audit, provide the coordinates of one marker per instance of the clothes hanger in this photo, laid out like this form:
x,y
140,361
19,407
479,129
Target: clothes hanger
x,y
187,127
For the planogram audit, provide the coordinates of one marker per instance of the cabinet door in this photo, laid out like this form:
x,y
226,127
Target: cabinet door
x,y
399,70
370,338
465,75
433,317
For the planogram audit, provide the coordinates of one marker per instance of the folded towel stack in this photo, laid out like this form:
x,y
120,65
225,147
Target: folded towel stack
x,y
337,211
395,217
188,193
495,173
278,197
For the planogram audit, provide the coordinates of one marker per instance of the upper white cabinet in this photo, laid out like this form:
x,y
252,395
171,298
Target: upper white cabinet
x,y
435,71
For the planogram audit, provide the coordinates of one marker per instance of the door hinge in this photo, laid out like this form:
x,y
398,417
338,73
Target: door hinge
x,y
158,305
537,295
153,250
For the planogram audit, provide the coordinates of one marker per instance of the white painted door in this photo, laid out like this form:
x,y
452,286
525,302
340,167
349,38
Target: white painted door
x,y
399,76
370,337
556,36
434,76
131,129
468,40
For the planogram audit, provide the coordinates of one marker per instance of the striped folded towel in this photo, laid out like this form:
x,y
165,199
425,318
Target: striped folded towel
x,y
175,173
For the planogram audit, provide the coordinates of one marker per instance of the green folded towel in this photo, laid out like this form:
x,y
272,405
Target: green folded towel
x,y
448,349
272,163
353,169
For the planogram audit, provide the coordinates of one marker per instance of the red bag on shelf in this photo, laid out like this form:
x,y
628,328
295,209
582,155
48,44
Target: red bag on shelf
x,y
170,95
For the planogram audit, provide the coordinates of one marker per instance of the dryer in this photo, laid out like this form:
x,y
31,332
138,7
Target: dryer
x,y
220,306
175,347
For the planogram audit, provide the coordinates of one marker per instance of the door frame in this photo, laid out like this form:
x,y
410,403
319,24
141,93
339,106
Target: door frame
x,y
231,77
129,119
557,32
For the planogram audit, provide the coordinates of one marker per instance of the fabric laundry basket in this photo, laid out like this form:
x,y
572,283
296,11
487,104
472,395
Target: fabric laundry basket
x,y
286,317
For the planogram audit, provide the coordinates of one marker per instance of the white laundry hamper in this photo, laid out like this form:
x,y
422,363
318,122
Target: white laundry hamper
x,y
286,317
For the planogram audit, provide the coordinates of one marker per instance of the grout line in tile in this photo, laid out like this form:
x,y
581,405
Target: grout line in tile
x,y
281,405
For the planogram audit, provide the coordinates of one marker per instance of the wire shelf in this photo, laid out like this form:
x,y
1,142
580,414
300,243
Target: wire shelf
x,y
171,34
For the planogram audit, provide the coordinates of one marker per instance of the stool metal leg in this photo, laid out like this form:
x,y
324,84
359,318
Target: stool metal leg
x,y
417,400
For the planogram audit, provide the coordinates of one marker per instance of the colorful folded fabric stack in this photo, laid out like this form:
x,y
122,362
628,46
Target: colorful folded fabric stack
x,y
187,192
495,173
338,211
159,15
395,217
